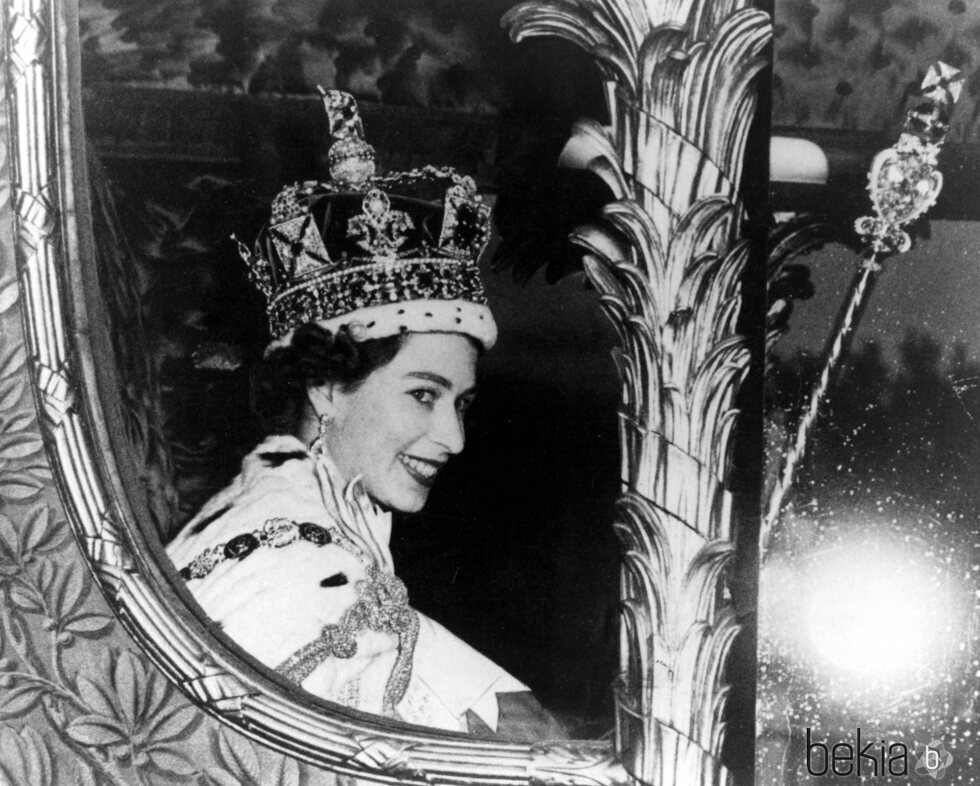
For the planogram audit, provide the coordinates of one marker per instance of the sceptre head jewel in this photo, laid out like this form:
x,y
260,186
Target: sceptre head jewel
x,y
383,254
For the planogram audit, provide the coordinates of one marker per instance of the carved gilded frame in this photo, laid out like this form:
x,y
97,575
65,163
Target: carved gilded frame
x,y
678,77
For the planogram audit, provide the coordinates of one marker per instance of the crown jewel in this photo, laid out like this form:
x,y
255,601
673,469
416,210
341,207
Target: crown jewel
x,y
904,181
379,229
351,159
393,253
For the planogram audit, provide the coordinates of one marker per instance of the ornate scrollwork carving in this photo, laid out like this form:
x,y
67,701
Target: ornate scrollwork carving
x,y
390,757
574,762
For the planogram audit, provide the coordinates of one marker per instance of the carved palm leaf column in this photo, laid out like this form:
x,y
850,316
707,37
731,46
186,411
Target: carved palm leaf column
x,y
667,259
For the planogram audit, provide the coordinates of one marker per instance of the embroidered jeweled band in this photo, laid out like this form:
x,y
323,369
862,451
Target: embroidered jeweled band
x,y
275,533
381,605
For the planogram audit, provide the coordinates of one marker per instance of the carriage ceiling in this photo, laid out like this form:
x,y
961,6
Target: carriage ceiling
x,y
846,64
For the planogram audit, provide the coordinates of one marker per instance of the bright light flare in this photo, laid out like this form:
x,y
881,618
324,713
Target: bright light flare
x,y
876,613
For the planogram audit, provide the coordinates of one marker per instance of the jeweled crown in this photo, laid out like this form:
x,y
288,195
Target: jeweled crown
x,y
381,253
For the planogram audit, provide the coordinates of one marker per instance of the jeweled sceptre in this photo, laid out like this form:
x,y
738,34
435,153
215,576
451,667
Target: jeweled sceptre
x,y
904,182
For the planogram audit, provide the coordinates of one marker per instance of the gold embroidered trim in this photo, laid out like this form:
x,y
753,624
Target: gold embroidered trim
x,y
382,606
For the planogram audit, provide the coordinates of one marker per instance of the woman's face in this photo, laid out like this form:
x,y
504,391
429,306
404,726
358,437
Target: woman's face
x,y
398,428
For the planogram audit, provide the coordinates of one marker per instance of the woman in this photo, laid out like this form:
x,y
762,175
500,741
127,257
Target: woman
x,y
379,316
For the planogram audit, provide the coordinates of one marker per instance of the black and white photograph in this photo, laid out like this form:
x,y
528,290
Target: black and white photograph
x,y
568,392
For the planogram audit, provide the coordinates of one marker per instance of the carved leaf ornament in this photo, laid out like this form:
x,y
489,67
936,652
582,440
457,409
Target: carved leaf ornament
x,y
667,262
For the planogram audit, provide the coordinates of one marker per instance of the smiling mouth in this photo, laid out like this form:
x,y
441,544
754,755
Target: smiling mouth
x,y
422,471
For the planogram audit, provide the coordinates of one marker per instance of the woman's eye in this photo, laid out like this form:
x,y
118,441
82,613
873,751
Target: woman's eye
x,y
424,396
463,404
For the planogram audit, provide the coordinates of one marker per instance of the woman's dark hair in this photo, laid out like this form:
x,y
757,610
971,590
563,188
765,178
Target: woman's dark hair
x,y
313,357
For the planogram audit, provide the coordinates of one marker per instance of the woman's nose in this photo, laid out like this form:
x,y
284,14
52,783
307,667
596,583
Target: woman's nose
x,y
448,429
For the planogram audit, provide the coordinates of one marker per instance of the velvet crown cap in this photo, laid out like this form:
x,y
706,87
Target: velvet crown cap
x,y
381,254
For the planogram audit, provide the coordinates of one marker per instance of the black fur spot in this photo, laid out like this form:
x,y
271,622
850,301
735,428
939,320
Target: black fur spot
x,y
278,459
198,528
336,580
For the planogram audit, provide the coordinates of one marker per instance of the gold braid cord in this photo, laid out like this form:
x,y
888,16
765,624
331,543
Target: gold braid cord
x,y
381,606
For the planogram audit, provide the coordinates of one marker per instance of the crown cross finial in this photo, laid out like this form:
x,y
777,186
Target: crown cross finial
x,y
342,114
351,159
942,84
379,230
